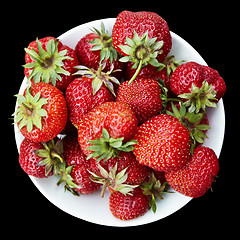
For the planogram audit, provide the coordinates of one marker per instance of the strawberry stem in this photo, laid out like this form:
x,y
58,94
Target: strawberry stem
x,y
137,71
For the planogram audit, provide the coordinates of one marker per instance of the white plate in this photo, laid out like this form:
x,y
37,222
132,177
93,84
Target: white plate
x,y
92,207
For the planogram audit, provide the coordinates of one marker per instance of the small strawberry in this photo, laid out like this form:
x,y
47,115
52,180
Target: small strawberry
x,y
29,160
141,37
42,112
163,143
129,206
40,159
96,47
48,60
75,169
202,86
80,98
197,176
117,118
143,96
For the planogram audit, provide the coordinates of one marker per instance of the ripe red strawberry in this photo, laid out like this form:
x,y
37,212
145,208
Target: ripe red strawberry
x,y
48,60
96,47
197,176
29,160
136,173
201,85
163,143
116,117
142,37
143,96
42,112
129,206
77,170
80,98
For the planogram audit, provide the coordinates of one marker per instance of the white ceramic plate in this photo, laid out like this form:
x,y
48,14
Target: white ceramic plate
x,y
92,207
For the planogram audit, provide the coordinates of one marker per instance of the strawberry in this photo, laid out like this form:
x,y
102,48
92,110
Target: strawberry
x,y
163,143
42,112
129,206
201,85
48,60
142,37
96,47
143,96
80,98
75,172
117,118
197,176
29,160
137,173
41,159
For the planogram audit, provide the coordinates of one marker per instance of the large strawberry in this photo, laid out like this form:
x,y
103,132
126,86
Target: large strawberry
x,y
142,37
117,118
48,60
201,85
126,207
96,47
197,176
80,98
163,143
42,112
143,96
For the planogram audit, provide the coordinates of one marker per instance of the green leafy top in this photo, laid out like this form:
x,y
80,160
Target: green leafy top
x,y
48,64
141,51
104,43
106,147
30,110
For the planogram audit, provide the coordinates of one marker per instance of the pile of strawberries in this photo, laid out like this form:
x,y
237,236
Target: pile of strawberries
x,y
117,112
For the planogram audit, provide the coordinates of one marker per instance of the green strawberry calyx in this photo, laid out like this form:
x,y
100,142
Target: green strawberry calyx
x,y
141,51
104,44
113,180
107,147
200,98
30,110
99,77
48,64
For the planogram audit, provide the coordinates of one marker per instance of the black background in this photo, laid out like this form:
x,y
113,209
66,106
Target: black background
x,y
209,28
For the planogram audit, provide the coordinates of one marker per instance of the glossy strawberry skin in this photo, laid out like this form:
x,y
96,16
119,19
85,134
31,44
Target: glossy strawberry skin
x,y
76,158
29,160
197,176
143,96
193,73
141,22
68,64
164,143
91,59
80,99
137,173
117,118
128,207
57,114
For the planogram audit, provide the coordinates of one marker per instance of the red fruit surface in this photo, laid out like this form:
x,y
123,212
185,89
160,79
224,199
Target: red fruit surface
x,y
143,96
29,160
80,99
137,173
193,73
57,115
141,22
128,207
116,117
197,176
164,143
91,59
81,177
